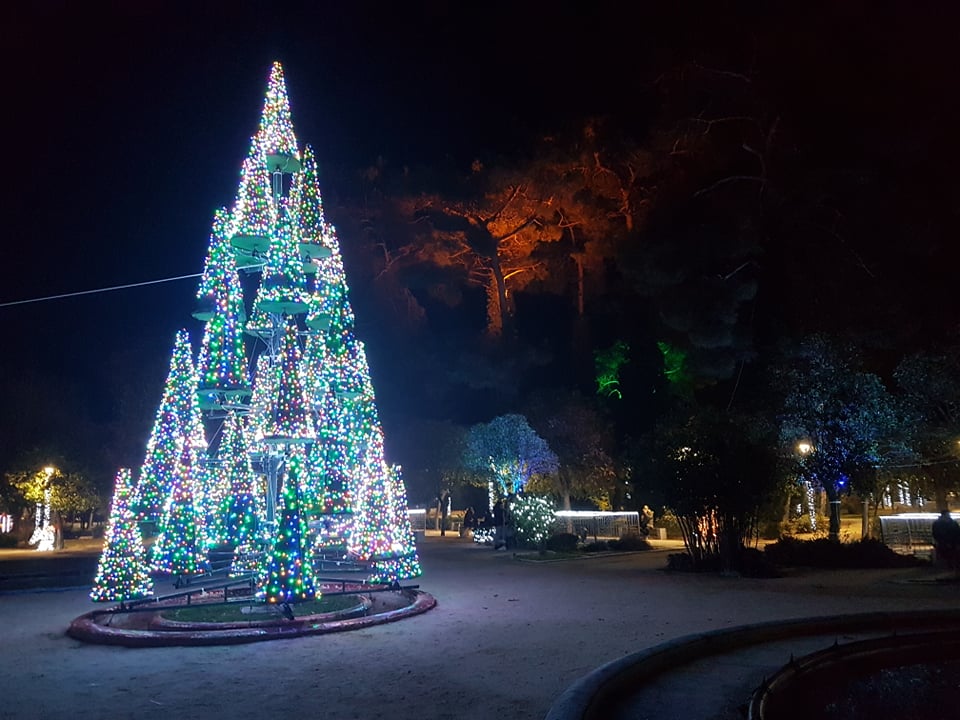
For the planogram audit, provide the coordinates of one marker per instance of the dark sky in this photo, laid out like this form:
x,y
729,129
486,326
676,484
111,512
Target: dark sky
x,y
127,128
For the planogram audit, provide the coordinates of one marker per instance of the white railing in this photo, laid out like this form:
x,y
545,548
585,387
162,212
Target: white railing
x,y
597,524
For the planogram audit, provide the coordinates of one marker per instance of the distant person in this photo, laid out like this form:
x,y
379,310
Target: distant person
x,y
946,540
444,511
469,521
648,513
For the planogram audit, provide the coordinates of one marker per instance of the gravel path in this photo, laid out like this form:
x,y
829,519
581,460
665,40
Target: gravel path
x,y
504,641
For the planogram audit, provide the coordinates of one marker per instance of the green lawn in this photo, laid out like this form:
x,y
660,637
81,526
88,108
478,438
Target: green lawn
x,y
235,612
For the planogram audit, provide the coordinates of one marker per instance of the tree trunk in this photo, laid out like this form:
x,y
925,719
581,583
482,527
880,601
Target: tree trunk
x,y
566,506
865,520
833,503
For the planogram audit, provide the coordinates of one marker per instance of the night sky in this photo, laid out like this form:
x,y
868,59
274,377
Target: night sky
x,y
128,126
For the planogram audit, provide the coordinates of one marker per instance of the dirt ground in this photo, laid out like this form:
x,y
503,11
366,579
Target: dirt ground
x,y
506,638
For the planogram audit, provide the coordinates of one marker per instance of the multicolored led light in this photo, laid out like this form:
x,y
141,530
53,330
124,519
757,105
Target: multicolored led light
x,y
179,548
288,575
122,573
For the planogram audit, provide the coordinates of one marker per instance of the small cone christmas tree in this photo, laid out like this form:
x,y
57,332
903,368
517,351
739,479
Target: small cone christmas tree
x,y
238,510
254,212
283,287
315,235
159,467
222,367
288,577
378,533
407,565
276,135
178,549
219,280
290,421
122,573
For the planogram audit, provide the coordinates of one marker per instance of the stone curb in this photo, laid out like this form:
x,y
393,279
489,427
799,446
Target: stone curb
x,y
87,629
594,696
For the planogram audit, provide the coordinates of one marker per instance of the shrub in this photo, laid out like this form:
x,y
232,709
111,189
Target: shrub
x,y
753,563
824,553
8,541
562,542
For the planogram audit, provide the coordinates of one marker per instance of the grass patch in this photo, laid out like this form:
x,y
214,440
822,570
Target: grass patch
x,y
235,612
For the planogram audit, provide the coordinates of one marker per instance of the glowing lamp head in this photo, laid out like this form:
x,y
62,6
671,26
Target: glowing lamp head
x,y
804,448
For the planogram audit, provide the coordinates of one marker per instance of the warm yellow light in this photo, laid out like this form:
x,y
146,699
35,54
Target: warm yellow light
x,y
804,448
49,470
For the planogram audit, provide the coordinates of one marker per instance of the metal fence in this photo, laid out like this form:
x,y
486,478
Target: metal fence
x,y
910,533
597,524
418,519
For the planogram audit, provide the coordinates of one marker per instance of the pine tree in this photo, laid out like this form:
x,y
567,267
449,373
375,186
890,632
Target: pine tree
x,y
122,573
288,576
178,549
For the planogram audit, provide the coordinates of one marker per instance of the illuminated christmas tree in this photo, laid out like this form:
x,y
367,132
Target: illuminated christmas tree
x,y
162,454
329,490
179,549
222,367
254,212
406,565
288,576
122,573
282,285
219,287
290,421
237,517
160,466
316,236
275,134
382,534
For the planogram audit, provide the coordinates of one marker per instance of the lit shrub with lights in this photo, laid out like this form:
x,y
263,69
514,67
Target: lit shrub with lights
x,y
533,519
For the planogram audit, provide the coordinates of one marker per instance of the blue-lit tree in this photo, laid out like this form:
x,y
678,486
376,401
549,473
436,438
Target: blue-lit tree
x,y
508,452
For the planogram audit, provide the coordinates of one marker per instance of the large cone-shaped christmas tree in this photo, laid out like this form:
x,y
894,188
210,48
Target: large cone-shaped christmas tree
x,y
122,573
316,415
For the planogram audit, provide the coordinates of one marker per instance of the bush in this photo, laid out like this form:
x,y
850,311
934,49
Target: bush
x,y
829,554
753,563
8,541
563,542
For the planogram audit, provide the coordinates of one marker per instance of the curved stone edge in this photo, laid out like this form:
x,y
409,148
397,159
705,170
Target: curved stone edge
x,y
594,695
772,698
161,623
87,629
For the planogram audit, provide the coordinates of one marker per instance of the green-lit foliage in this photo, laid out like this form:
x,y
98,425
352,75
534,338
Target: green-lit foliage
x,y
608,364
